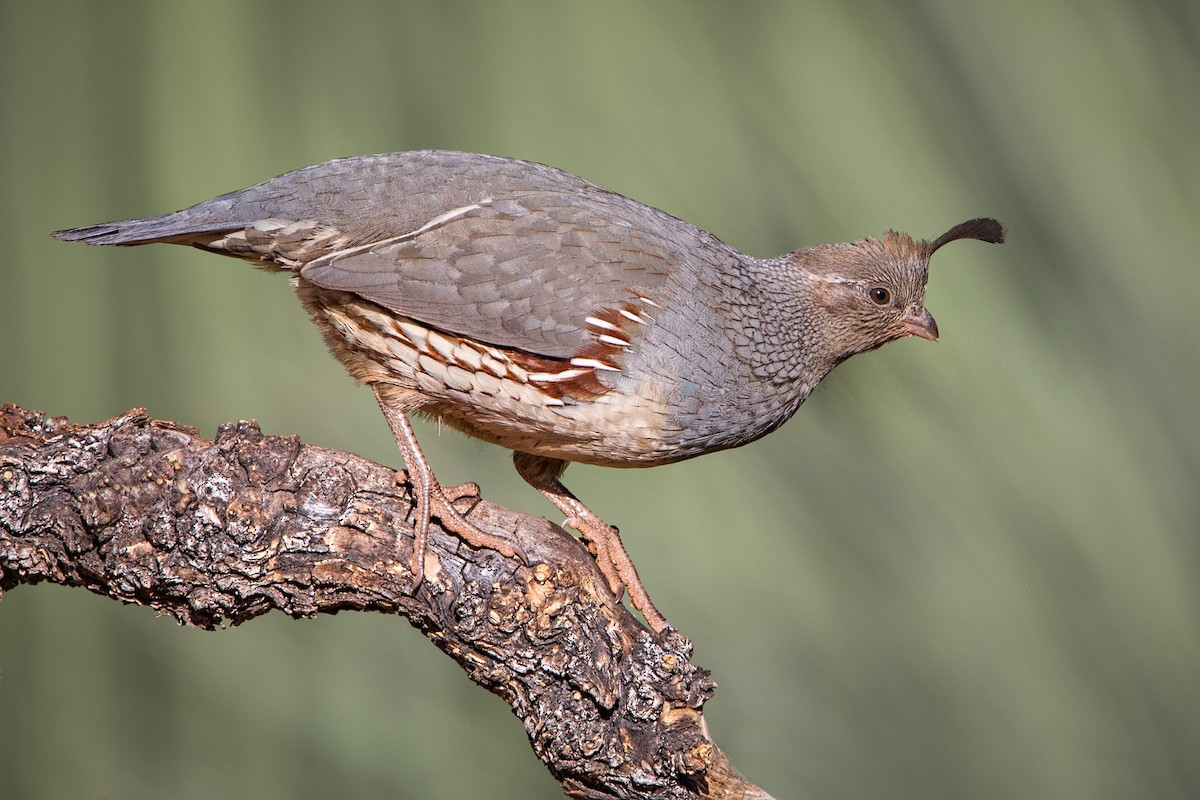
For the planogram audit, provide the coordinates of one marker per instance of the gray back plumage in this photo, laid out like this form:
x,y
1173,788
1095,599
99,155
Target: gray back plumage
x,y
511,253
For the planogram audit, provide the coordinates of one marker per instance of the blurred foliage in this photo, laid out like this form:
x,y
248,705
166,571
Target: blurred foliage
x,y
964,570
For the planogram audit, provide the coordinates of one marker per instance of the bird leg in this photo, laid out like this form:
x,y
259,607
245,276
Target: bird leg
x,y
431,500
603,540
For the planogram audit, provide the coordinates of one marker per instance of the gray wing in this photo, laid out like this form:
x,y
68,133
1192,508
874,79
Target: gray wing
x,y
511,253
524,270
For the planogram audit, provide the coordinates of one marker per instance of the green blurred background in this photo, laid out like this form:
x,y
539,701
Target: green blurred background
x,y
964,570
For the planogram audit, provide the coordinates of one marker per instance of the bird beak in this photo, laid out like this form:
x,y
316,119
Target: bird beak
x,y
919,322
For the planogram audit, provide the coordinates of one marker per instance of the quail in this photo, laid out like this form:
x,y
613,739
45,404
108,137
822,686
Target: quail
x,y
535,310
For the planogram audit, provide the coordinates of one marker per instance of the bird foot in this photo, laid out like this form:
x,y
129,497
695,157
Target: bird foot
x,y
430,499
456,493
442,500
597,545
603,541
463,491
453,520
440,504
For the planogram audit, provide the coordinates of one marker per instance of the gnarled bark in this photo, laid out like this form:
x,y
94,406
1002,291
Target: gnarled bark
x,y
149,512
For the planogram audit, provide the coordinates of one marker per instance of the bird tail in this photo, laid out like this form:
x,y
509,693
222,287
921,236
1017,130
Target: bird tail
x,y
221,227
177,228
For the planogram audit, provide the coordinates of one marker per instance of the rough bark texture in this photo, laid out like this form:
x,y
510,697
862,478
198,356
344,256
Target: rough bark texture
x,y
148,512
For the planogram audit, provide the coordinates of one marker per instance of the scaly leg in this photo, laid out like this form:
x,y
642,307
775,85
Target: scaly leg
x,y
432,500
602,539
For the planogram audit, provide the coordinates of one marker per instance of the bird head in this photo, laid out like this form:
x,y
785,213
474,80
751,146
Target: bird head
x,y
872,291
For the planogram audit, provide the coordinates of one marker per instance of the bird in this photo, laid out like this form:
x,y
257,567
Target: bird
x,y
532,309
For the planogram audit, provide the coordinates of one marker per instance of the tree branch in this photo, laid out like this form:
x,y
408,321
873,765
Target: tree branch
x,y
148,512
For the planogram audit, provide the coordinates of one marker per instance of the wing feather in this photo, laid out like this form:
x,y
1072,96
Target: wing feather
x,y
511,253
522,272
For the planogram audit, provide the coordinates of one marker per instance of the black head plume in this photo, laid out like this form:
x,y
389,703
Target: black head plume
x,y
985,229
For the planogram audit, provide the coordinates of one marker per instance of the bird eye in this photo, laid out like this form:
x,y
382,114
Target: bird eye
x,y
880,296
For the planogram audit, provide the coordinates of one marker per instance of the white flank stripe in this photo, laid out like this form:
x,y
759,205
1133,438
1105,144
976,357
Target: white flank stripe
x,y
599,323
493,366
565,375
449,216
443,346
594,364
415,333
469,356
604,337
647,301
630,315
440,219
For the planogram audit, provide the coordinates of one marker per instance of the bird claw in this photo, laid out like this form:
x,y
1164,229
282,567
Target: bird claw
x,y
441,505
453,520
463,491
597,546
470,489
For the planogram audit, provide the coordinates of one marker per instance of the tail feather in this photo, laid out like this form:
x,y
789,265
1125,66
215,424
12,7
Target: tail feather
x,y
175,228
